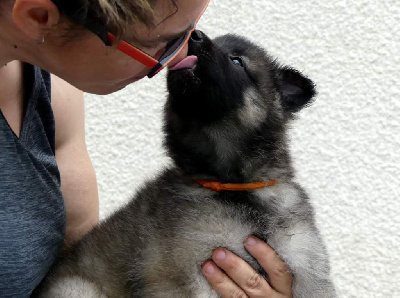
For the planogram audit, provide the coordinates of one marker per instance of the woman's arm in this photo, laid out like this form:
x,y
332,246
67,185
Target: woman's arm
x,y
78,179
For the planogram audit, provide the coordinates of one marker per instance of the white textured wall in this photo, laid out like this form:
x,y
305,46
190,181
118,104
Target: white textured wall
x,y
346,146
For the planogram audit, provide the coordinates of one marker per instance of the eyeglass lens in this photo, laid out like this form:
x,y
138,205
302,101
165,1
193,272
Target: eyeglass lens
x,y
174,45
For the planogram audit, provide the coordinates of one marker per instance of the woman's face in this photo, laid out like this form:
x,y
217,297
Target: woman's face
x,y
93,67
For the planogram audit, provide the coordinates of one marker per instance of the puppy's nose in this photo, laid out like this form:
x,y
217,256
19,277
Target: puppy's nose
x,y
196,36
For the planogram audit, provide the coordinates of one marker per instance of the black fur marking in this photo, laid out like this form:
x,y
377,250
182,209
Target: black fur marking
x,y
296,90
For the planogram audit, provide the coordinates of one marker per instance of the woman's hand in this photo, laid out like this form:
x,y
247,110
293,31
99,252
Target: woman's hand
x,y
239,279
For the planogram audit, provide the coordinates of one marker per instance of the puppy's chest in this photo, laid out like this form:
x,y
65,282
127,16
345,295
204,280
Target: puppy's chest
x,y
227,219
195,222
247,209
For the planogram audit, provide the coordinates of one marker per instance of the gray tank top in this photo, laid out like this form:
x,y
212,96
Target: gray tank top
x,y
32,216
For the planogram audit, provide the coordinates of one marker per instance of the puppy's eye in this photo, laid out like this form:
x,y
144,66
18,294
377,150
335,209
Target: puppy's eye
x,y
237,61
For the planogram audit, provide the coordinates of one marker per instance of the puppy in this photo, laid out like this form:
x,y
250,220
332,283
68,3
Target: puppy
x,y
226,119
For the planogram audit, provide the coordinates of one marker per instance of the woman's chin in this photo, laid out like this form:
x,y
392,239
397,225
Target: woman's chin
x,y
108,88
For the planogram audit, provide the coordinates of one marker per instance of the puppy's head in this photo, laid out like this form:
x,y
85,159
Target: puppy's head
x,y
228,106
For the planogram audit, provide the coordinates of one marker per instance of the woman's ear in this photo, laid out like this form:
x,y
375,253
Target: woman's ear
x,y
35,17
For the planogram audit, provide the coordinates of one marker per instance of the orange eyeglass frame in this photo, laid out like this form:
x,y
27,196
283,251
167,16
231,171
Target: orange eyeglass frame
x,y
173,48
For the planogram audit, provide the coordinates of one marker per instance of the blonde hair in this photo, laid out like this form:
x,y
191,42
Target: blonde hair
x,y
121,14
116,15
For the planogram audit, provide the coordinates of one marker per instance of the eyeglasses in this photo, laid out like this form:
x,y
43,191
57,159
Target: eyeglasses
x,y
172,49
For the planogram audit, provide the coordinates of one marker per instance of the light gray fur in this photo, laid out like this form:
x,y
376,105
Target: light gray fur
x,y
154,246
172,227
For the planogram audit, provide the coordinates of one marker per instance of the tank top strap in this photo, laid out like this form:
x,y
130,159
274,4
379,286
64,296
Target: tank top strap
x,y
32,215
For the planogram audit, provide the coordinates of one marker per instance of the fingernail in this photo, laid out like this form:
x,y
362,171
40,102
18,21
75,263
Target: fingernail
x,y
251,241
209,268
220,255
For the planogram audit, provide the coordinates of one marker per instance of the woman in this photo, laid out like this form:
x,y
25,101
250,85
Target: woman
x,y
72,40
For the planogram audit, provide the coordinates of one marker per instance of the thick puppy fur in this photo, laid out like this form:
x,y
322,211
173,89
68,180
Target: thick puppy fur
x,y
225,120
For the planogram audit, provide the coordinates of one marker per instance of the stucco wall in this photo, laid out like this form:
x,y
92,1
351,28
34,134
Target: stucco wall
x,y
346,146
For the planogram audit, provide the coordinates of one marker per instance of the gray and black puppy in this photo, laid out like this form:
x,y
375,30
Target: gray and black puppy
x,y
226,119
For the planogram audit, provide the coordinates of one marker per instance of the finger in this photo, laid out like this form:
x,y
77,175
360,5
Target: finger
x,y
278,272
242,273
220,282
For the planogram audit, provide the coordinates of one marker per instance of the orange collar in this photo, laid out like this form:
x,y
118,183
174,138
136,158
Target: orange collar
x,y
218,186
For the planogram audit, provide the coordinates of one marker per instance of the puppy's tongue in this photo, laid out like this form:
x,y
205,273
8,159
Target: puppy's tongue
x,y
188,62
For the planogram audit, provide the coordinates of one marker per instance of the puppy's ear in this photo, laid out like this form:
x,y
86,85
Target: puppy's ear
x,y
295,89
